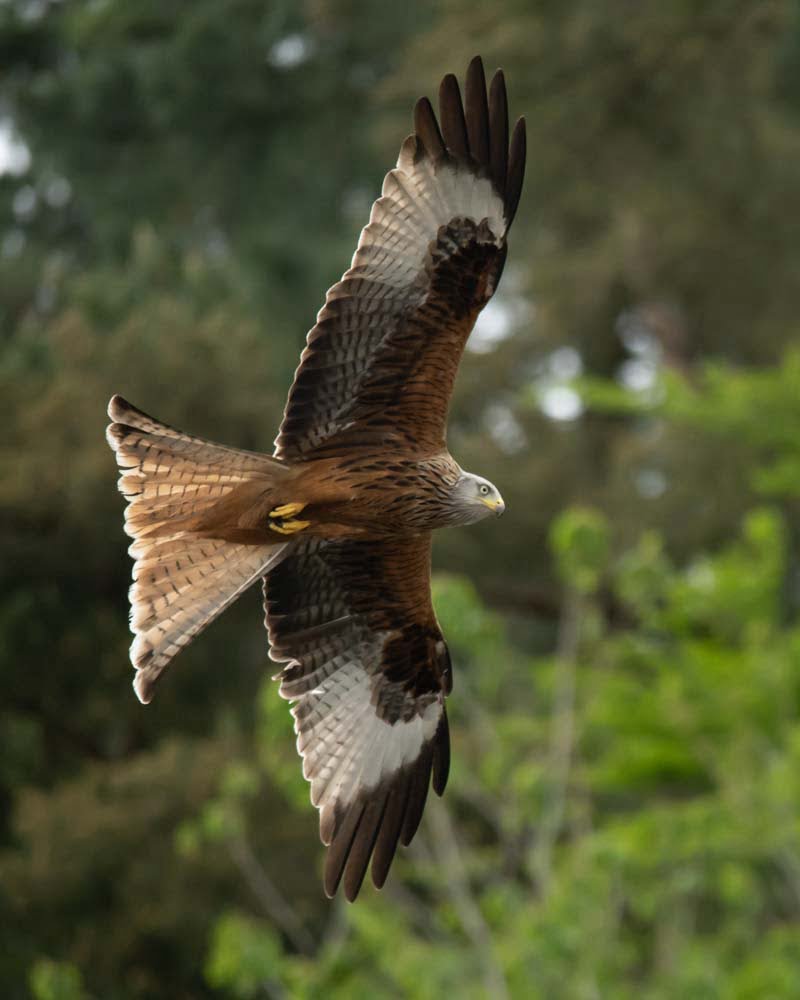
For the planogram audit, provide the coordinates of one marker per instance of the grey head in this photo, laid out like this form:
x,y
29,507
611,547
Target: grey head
x,y
473,498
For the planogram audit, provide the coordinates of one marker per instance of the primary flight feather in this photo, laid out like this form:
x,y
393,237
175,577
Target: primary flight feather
x,y
338,521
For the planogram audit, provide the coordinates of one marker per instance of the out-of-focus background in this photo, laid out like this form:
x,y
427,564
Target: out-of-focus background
x,y
179,184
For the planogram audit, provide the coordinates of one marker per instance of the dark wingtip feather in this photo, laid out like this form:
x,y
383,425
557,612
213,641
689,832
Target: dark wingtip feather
x,y
417,794
339,849
441,755
393,817
451,113
363,844
477,112
516,170
498,132
427,129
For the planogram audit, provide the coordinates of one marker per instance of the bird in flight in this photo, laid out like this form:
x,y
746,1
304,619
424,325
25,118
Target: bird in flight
x,y
337,522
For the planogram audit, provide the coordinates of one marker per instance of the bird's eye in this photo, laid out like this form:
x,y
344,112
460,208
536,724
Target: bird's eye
x,y
484,489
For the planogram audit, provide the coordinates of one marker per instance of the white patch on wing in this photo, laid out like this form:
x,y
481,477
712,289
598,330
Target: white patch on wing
x,y
417,199
346,747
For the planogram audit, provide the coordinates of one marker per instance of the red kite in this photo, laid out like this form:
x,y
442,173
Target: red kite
x,y
338,521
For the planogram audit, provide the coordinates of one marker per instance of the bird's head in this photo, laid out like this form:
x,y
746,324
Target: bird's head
x,y
475,498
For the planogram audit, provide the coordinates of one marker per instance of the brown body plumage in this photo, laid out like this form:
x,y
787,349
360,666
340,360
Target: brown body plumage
x,y
338,521
374,494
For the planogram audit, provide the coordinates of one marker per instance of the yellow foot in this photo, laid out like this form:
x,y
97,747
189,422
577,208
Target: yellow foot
x,y
289,527
287,510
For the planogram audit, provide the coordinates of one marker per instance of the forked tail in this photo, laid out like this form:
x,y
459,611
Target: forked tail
x,y
183,577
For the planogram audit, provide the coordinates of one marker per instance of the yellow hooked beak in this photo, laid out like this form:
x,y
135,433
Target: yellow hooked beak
x,y
496,506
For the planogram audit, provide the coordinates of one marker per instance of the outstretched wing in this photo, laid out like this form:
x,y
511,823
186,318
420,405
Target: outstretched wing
x,y
380,362
368,671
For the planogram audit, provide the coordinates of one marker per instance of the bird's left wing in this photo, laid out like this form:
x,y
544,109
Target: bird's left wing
x,y
380,362
367,671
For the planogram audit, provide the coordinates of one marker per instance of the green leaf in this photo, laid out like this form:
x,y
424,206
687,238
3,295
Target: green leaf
x,y
49,980
579,538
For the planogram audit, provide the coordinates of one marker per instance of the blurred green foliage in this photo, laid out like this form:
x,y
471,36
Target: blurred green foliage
x,y
623,814
56,981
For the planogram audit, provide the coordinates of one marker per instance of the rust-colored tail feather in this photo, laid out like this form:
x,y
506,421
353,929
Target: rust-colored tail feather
x,y
182,579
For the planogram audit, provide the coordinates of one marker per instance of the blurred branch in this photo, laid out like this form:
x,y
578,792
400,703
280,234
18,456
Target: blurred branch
x,y
448,855
280,912
542,603
562,734
336,928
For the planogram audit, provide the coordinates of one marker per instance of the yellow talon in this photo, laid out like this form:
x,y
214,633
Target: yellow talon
x,y
289,527
287,510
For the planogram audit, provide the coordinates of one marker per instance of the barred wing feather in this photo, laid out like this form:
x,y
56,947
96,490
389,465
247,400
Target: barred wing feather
x,y
367,672
381,360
